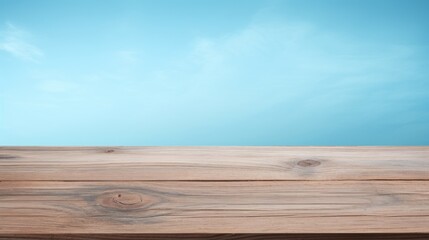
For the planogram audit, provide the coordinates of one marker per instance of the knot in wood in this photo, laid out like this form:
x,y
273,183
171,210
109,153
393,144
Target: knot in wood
x,y
308,163
121,200
127,199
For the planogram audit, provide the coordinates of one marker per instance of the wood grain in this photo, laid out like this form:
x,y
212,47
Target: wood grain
x,y
307,193
214,207
213,163
366,236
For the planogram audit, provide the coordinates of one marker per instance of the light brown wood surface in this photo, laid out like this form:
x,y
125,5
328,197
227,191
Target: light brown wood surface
x,y
272,236
213,190
290,236
214,163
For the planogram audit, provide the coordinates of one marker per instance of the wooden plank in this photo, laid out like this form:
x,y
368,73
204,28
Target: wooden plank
x,y
213,163
304,236
214,207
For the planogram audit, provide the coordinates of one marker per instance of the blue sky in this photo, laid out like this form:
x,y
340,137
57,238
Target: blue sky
x,y
214,72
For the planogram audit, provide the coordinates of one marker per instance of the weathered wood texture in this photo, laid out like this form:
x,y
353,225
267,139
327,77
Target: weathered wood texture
x,y
383,236
214,163
214,207
213,192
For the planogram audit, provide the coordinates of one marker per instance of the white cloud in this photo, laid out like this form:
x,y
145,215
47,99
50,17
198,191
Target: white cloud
x,y
285,54
293,71
15,41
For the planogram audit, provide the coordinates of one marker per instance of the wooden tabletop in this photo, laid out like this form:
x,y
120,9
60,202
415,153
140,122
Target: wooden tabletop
x,y
55,191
